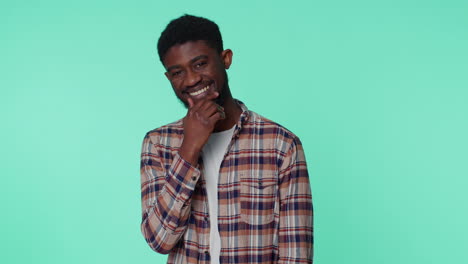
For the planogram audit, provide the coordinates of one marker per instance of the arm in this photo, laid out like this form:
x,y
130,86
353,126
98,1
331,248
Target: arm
x,y
166,197
166,192
296,212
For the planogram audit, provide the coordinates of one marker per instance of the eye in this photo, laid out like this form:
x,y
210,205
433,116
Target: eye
x,y
175,73
200,64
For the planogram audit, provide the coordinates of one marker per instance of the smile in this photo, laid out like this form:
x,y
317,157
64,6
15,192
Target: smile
x,y
199,91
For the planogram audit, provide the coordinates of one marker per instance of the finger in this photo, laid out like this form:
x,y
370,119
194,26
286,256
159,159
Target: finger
x,y
217,116
195,105
190,102
204,103
208,104
198,104
222,114
212,96
208,111
216,108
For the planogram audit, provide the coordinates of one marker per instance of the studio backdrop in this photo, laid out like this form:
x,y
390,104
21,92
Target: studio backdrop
x,y
376,90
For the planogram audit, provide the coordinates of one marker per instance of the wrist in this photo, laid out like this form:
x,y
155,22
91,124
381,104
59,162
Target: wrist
x,y
190,153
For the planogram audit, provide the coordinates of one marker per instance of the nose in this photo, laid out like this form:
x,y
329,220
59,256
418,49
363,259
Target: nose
x,y
192,78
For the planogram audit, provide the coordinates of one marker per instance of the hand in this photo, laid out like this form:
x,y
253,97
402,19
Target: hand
x,y
199,123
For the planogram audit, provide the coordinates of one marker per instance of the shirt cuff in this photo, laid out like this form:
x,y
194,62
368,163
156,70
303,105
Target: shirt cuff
x,y
185,175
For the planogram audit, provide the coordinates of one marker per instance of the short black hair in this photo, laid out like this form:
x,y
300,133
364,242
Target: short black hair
x,y
189,28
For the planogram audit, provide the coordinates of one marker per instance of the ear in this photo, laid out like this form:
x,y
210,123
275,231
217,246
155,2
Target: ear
x,y
226,56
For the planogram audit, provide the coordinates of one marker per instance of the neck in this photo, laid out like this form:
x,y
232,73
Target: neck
x,y
232,111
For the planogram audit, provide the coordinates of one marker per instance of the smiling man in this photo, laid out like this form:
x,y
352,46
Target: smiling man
x,y
223,184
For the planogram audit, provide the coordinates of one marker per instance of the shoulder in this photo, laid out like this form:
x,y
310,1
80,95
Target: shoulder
x,y
174,129
258,124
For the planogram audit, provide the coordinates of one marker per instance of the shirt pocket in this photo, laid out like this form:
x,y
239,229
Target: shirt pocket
x,y
258,197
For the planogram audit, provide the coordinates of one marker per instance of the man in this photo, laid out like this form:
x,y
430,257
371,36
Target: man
x,y
223,184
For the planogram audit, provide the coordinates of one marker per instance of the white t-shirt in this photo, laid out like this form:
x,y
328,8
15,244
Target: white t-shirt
x,y
213,154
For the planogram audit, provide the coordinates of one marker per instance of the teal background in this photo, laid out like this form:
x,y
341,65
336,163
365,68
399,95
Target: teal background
x,y
376,90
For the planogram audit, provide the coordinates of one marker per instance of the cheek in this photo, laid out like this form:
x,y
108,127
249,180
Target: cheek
x,y
175,85
215,73
178,92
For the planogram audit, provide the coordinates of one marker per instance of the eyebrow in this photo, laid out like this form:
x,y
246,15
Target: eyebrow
x,y
191,61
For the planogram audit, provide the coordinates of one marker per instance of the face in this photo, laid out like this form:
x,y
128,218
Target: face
x,y
195,70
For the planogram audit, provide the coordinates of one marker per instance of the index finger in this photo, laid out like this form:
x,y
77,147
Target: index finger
x,y
196,104
212,96
190,102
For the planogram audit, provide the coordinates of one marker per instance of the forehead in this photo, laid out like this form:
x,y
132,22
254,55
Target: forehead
x,y
181,54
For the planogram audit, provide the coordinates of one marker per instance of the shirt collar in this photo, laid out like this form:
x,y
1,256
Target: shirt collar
x,y
244,117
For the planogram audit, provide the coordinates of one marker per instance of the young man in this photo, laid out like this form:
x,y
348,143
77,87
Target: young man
x,y
223,184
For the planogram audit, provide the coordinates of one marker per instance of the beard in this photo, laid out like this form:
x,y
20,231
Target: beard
x,y
220,100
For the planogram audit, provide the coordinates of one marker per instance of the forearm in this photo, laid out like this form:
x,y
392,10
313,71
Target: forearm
x,y
296,232
190,152
296,210
166,198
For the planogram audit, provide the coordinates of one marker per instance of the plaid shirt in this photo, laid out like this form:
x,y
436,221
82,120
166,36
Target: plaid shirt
x,y
264,198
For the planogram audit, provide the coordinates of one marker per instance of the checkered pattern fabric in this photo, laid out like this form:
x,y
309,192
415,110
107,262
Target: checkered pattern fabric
x,y
265,203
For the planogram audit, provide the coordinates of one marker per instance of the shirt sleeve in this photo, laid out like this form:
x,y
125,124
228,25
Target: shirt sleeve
x,y
296,211
166,196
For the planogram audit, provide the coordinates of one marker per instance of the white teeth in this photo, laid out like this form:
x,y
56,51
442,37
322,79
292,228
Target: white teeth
x,y
199,91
